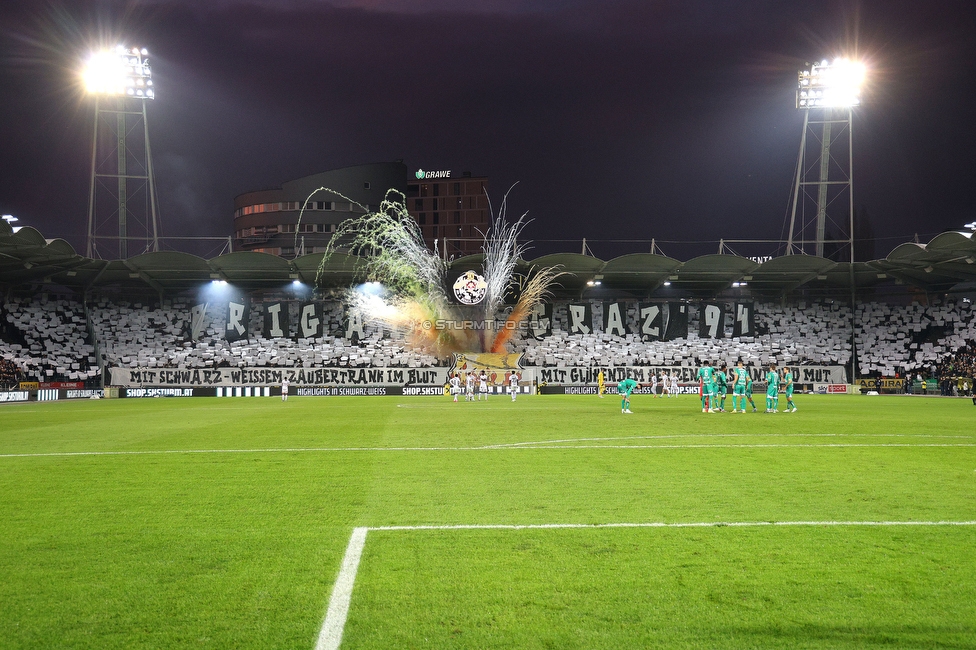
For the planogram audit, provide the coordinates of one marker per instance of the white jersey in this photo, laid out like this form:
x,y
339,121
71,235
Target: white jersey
x,y
513,380
284,386
469,382
455,384
483,383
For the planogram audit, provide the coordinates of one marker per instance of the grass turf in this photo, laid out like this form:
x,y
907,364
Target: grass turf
x,y
159,549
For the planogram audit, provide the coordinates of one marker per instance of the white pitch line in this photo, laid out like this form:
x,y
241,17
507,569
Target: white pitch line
x,y
499,448
733,435
330,636
661,524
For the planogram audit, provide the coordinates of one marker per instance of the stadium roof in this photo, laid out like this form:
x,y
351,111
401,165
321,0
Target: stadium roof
x,y
26,257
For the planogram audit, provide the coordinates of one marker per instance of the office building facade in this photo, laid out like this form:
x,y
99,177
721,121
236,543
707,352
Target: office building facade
x,y
268,220
451,209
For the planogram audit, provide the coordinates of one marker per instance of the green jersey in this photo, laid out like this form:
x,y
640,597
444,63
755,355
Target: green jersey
x,y
706,374
772,383
788,381
741,377
626,386
720,379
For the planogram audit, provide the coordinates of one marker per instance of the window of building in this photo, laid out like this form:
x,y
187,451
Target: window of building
x,y
457,217
459,231
366,185
320,227
457,189
413,190
418,204
437,217
435,203
422,218
437,189
423,190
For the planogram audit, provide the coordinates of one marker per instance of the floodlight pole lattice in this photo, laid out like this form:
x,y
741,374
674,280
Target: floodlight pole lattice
x,y
121,169
832,90
822,181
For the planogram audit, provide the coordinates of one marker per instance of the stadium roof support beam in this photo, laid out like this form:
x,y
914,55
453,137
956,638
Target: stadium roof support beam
x,y
145,278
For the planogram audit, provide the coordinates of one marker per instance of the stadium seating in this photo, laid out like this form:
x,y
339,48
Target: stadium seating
x,y
812,334
51,340
56,340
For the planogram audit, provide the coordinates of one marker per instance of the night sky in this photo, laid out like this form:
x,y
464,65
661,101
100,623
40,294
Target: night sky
x,y
618,119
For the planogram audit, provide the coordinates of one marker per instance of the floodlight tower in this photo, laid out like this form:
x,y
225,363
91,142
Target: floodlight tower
x,y
827,94
122,182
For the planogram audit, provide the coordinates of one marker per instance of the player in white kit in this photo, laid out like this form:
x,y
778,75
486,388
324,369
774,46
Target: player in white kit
x,y
284,390
483,385
455,385
469,387
513,384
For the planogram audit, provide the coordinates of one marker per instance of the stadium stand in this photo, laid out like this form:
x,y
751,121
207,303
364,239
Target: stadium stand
x,y
64,339
137,336
49,340
954,368
803,334
10,373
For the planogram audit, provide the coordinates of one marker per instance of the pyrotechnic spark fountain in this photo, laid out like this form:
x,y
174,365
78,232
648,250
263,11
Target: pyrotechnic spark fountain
x,y
414,301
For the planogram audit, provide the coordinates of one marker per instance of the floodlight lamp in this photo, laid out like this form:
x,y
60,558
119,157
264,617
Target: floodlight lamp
x,y
9,218
971,225
116,72
831,85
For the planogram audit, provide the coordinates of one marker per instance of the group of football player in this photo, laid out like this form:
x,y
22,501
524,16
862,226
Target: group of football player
x,y
714,384
465,384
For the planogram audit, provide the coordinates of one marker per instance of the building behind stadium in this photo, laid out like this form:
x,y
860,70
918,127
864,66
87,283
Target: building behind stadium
x,y
451,208
267,221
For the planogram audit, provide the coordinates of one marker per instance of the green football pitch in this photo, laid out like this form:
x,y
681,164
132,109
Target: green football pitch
x,y
553,522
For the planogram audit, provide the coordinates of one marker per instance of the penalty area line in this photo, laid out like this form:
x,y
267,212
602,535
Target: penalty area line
x,y
330,636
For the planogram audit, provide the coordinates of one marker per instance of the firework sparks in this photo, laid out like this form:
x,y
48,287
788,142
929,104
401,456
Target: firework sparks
x,y
413,301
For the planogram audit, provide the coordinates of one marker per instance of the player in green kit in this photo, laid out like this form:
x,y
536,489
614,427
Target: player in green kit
x,y
749,396
722,386
706,378
624,389
739,388
788,387
772,389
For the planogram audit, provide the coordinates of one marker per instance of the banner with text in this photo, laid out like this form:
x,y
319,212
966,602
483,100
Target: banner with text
x,y
570,376
321,376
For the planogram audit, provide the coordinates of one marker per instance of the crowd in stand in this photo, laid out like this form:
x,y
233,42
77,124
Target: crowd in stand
x,y
956,372
10,374
59,339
